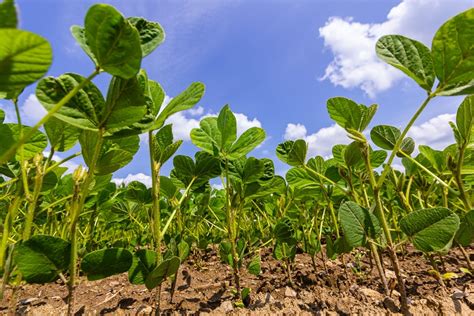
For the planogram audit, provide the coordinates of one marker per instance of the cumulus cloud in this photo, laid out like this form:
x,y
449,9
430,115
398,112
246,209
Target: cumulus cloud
x,y
184,122
143,178
435,132
31,111
320,142
352,43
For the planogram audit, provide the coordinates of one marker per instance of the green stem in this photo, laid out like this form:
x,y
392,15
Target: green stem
x,y
457,176
6,156
79,198
430,173
398,144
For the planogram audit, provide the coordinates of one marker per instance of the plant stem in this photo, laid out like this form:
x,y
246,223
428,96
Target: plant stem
x,y
396,148
231,230
378,263
82,186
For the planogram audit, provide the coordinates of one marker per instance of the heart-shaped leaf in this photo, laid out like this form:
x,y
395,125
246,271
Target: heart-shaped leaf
x,y
114,154
292,152
432,229
113,40
453,55
11,134
465,118
41,258
164,270
61,135
465,234
24,58
358,224
103,263
83,108
410,56
151,34
144,261
350,115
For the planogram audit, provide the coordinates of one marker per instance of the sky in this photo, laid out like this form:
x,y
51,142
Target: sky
x,y
274,62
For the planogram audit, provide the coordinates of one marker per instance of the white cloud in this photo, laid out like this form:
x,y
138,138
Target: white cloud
x,y
31,111
320,142
183,123
435,132
196,111
143,178
355,63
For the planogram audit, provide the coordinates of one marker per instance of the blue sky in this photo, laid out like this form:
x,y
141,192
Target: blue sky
x,y
275,62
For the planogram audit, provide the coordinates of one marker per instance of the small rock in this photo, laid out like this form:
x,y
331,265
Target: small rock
x,y
372,294
269,299
289,292
29,301
144,310
114,283
226,307
457,295
57,298
342,308
389,304
389,274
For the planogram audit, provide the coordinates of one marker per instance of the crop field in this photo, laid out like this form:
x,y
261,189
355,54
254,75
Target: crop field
x,y
346,234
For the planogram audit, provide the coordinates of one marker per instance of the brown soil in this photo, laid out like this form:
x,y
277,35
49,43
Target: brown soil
x,y
204,287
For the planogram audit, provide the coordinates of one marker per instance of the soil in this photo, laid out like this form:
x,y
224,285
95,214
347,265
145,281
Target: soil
x,y
204,287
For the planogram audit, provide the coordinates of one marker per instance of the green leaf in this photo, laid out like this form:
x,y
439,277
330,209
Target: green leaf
x,y
81,111
184,101
207,136
186,170
431,229
453,55
24,58
249,139
377,158
103,263
165,269
300,178
358,224
144,261
353,155
11,134
465,234
113,40
350,115
283,232
385,136
41,258
465,118
435,157
163,144
167,187
114,154
2,116
61,136
137,192
8,16
156,95
125,104
227,125
292,152
79,33
254,267
151,34
410,56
